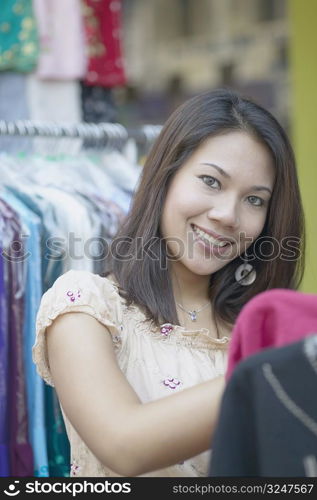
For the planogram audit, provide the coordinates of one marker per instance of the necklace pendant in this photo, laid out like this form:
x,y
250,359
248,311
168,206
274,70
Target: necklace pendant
x,y
193,315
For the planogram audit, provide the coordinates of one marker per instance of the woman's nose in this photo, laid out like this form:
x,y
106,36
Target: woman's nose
x,y
226,214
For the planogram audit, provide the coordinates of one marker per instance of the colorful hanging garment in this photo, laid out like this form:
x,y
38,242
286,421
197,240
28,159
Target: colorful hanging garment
x,y
62,39
102,20
33,292
18,36
21,453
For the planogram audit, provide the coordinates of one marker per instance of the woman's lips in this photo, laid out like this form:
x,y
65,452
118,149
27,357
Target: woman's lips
x,y
214,235
210,248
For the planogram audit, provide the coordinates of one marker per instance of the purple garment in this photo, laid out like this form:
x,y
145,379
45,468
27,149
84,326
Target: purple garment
x,y
21,453
4,415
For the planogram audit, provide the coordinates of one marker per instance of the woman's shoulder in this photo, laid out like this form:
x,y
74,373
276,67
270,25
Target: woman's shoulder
x,y
75,288
76,291
83,280
83,291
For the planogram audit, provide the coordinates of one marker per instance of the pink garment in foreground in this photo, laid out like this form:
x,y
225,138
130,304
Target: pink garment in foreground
x,y
271,319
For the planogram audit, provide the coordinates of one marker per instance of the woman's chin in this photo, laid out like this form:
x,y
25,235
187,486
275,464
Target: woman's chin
x,y
204,268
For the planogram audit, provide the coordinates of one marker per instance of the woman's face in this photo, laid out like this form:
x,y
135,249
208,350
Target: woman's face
x,y
217,202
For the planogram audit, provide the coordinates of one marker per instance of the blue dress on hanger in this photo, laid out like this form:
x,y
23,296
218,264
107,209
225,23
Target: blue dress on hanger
x,y
33,294
58,449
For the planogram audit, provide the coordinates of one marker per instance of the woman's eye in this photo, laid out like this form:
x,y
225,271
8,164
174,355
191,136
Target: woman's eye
x,y
256,201
210,181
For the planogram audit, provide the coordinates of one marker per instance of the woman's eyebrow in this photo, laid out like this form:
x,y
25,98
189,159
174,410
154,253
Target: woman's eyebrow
x,y
261,188
225,174
220,170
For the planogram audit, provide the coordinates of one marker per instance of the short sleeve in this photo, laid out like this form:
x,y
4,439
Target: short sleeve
x,y
75,291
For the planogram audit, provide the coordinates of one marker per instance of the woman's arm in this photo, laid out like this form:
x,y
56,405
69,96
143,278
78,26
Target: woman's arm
x,y
127,436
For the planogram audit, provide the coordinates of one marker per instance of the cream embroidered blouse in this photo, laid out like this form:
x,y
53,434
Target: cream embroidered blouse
x,y
156,361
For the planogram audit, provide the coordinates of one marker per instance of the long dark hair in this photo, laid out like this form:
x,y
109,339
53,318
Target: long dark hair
x,y
142,270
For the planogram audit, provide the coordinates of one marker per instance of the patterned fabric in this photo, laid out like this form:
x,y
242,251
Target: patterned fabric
x,y
156,361
18,36
102,20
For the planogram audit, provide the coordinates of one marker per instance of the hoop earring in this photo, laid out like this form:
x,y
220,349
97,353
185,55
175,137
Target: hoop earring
x,y
245,274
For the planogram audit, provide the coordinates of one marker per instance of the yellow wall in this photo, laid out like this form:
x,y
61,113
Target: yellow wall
x,y
303,60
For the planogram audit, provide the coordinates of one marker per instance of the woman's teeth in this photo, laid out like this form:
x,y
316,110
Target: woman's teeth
x,y
208,238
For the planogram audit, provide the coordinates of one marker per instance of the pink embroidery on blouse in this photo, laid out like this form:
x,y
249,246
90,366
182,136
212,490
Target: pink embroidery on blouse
x,y
166,329
74,468
172,383
73,296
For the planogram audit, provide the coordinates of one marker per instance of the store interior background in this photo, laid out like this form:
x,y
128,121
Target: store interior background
x,y
177,48
173,49
264,48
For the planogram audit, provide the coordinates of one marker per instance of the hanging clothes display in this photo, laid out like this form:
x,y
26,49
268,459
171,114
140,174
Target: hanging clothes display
x,y
57,213
60,206
33,292
59,61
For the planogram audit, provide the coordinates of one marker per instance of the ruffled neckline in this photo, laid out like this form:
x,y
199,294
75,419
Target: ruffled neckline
x,y
169,331
194,331
165,329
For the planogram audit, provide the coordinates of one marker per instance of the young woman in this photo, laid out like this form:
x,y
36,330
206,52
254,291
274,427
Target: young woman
x,y
138,357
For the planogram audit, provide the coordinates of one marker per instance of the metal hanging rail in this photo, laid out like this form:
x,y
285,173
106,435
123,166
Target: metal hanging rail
x,y
99,133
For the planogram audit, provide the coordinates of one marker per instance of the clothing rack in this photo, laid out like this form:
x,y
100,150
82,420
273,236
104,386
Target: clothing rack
x,y
98,133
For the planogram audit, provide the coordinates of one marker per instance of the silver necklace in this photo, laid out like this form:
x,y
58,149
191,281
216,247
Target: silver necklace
x,y
193,314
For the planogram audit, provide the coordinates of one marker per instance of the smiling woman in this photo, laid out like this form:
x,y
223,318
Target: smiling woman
x,y
134,354
222,169
224,212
